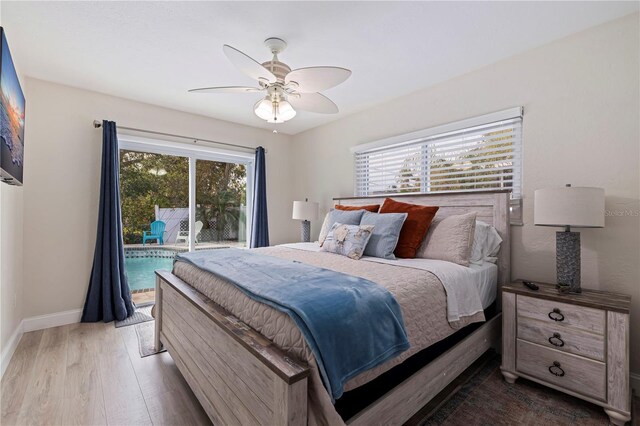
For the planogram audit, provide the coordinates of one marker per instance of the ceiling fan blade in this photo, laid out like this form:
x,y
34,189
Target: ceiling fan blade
x,y
314,102
317,79
248,65
227,89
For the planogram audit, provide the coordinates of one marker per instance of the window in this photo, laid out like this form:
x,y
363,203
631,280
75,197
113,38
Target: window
x,y
479,154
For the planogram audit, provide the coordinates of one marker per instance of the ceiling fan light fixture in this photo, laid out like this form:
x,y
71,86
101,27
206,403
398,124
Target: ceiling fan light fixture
x,y
274,111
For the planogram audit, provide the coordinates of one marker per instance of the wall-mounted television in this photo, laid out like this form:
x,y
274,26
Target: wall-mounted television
x,y
12,107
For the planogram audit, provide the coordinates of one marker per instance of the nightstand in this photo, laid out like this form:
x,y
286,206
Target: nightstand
x,y
575,343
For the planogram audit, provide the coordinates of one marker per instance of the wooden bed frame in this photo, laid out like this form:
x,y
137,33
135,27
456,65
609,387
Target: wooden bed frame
x,y
242,378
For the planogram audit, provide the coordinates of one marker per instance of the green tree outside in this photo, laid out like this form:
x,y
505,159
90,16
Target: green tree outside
x,y
148,179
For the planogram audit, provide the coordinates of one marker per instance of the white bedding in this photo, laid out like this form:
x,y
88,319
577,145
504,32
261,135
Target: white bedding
x,y
485,277
469,289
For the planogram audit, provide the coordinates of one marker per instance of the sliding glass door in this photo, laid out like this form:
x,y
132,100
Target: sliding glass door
x,y
178,197
221,203
153,187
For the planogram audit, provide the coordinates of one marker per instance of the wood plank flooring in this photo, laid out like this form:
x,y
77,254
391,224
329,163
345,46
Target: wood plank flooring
x,y
92,374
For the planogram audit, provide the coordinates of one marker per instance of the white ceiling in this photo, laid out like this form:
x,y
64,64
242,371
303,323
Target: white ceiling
x,y
154,51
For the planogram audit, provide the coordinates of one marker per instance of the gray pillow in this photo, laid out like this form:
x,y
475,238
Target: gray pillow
x,y
345,217
386,231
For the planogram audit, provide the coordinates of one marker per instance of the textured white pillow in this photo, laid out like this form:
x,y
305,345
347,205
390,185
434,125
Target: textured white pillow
x,y
486,244
449,239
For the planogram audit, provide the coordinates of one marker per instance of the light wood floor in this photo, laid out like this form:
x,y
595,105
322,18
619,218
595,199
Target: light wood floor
x,y
92,374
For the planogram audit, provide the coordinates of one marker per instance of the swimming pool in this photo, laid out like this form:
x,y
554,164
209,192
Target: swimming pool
x,y
140,265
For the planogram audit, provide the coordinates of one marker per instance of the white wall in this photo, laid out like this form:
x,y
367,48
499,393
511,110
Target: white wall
x,y
62,182
581,126
11,266
11,276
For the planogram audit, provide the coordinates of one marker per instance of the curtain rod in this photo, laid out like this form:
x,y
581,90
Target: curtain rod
x,y
97,124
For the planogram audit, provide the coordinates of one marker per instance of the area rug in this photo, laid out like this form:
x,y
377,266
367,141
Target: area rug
x,y
486,399
142,314
146,345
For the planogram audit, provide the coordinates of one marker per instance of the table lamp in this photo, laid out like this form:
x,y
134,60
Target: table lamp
x,y
567,207
306,211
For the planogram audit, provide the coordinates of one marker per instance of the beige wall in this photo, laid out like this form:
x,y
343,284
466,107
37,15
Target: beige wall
x,y
11,275
62,182
11,265
581,126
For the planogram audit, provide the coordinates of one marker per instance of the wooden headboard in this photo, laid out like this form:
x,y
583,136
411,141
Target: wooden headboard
x,y
491,207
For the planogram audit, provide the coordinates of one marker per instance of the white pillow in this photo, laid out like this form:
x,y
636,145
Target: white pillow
x,y
486,244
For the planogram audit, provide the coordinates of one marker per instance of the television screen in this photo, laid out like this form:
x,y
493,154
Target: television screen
x,y
12,107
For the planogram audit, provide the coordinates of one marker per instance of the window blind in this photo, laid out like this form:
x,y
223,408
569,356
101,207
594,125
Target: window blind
x,y
484,157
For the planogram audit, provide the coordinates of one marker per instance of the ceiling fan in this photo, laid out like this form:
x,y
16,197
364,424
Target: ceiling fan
x,y
285,89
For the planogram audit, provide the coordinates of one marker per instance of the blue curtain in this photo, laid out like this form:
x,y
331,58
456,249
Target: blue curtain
x,y
259,222
108,297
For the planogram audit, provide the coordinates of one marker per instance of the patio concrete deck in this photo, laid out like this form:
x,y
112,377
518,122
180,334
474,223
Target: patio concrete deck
x,y
144,297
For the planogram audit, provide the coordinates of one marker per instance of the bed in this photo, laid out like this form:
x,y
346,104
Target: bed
x,y
246,365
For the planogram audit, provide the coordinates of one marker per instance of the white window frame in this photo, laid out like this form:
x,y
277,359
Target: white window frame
x,y
193,153
421,135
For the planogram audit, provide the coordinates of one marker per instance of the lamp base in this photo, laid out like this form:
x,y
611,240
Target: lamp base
x,y
568,260
305,233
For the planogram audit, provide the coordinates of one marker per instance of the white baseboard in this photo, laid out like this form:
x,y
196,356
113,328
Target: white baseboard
x,y
12,344
635,382
41,322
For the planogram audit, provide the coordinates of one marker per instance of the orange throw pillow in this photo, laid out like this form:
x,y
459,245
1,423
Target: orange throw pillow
x,y
415,227
373,208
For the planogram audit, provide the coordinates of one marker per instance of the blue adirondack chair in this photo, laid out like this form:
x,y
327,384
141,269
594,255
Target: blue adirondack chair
x,y
156,233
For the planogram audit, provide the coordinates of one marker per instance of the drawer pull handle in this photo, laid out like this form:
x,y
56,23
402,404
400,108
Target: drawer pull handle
x,y
556,315
556,370
555,340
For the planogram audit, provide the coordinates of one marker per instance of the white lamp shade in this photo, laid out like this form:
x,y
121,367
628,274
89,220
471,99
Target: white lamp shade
x,y
264,109
274,112
284,112
305,210
569,206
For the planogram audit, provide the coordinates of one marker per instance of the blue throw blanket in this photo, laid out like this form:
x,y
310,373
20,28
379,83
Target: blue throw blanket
x,y
351,324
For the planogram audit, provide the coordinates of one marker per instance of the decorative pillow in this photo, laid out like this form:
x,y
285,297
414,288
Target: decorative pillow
x,y
347,240
344,217
373,208
486,244
450,239
415,226
386,232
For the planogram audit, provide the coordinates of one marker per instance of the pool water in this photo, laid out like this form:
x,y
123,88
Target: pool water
x,y
140,270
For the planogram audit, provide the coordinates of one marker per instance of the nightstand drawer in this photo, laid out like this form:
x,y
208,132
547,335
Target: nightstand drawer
x,y
567,371
565,339
561,314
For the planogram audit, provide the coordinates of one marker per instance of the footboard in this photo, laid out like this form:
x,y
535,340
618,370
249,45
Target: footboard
x,y
238,376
